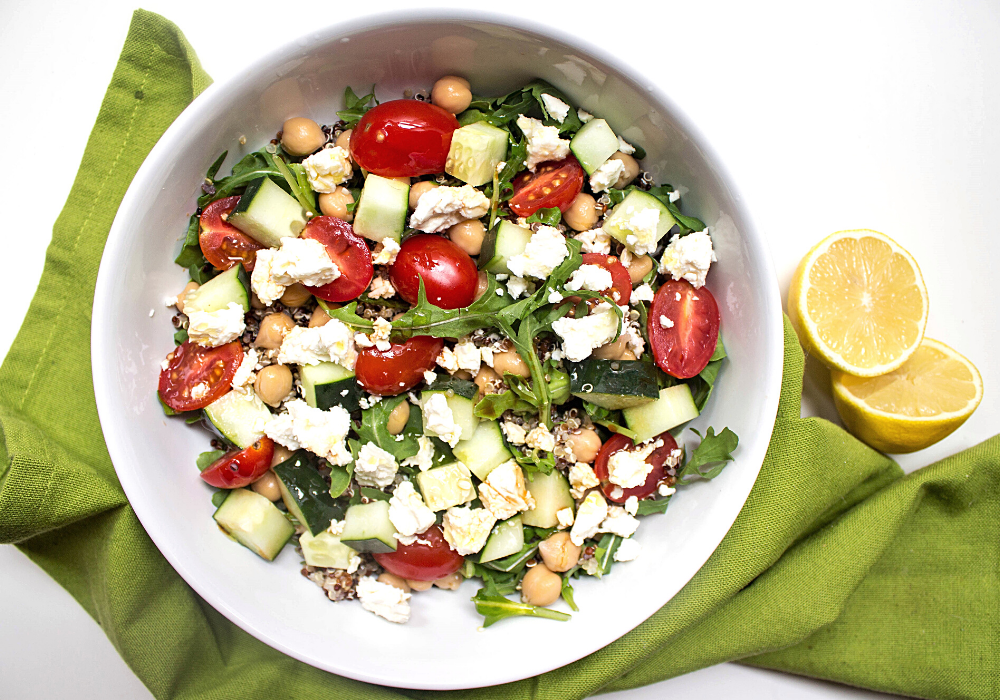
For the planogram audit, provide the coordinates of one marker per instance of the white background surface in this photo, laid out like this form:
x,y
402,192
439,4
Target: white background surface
x,y
859,115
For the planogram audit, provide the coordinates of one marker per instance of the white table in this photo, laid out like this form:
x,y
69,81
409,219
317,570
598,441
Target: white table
x,y
860,115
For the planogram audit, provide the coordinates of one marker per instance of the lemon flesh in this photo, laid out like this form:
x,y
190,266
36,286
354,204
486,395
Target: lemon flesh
x,y
859,303
914,406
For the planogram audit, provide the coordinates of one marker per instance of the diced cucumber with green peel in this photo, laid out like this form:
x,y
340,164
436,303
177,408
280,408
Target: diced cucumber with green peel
x,y
328,384
502,242
673,407
462,411
325,551
240,416
231,286
254,522
551,493
267,213
382,208
475,152
506,539
446,486
484,451
367,528
617,223
613,384
593,144
306,493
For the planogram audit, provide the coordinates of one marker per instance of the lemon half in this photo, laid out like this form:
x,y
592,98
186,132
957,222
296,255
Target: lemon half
x,y
858,302
914,406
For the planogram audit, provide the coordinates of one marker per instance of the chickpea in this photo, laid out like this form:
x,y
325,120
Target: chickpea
x,y
510,361
452,94
585,445
267,486
281,454
628,355
482,284
463,374
273,329
468,235
451,582
319,318
344,140
189,287
394,580
301,136
335,203
296,295
419,189
486,379
419,585
398,418
639,267
630,172
255,301
612,351
274,383
558,552
582,213
402,178
540,586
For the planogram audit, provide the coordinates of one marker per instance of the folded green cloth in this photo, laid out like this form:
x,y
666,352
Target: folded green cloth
x,y
838,567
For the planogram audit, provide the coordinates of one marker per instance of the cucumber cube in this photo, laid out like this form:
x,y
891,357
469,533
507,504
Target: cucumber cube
x,y
325,551
475,152
447,486
367,528
551,493
254,522
673,407
507,538
593,144
267,213
240,416
502,242
618,222
231,286
328,384
382,208
484,451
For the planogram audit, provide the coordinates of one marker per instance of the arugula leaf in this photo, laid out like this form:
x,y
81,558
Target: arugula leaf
x,y
571,124
471,116
191,256
551,217
495,608
650,506
701,386
181,336
213,169
340,477
205,459
714,450
687,224
605,553
427,319
517,154
492,406
373,429
612,420
355,107
219,496
374,494
533,460
303,194
252,167
567,589
514,563
495,582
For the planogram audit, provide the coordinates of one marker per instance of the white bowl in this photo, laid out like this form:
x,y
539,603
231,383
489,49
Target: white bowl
x,y
154,456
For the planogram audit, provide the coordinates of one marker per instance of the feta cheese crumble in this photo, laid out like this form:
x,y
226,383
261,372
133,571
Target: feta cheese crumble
x,y
447,360
544,143
321,432
301,260
515,434
424,459
619,522
584,115
245,374
628,550
386,252
380,334
642,293
688,257
642,225
504,493
374,466
544,252
594,241
593,278
439,420
443,207
564,517
582,478
408,513
328,168
605,177
380,288
582,335
211,329
383,599
629,468
516,286
666,322
539,438
556,108
331,342
625,147
467,529
589,516
467,356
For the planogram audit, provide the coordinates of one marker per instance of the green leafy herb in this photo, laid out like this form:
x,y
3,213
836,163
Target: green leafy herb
x,y
492,406
550,217
533,460
687,224
496,582
340,477
604,553
374,494
514,563
650,506
167,411
710,457
517,154
373,429
612,420
701,386
355,107
191,257
219,496
180,336
205,459
567,589
495,608
253,166
299,187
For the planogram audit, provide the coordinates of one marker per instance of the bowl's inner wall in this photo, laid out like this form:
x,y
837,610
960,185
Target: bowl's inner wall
x,y
155,456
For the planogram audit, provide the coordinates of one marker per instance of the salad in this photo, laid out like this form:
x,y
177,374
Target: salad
x,y
446,337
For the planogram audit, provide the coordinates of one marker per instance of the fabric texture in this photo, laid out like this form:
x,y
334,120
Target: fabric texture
x,y
838,567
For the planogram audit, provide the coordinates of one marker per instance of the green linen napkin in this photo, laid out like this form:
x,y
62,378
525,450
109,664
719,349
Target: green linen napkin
x,y
838,567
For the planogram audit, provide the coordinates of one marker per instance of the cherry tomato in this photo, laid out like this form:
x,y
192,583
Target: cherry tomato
x,y
658,458
349,251
197,376
398,369
223,244
683,349
620,280
450,275
235,470
422,562
403,138
553,184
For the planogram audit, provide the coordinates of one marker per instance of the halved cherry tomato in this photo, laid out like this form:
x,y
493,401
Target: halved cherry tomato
x,y
620,280
349,251
450,275
398,369
403,138
422,562
684,348
553,184
197,376
235,470
658,458
223,244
